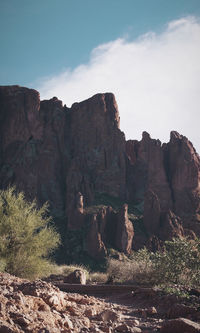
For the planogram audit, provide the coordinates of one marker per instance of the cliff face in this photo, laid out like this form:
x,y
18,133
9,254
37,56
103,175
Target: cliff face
x,y
77,158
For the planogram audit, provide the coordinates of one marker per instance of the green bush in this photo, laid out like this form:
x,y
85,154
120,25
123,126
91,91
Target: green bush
x,y
27,236
179,262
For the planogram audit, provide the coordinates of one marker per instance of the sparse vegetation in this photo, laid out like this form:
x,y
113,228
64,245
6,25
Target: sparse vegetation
x,y
177,263
98,277
176,266
27,236
94,209
104,199
138,269
67,269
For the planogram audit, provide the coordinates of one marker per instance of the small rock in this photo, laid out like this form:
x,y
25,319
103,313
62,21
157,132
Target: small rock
x,y
106,329
123,328
85,301
108,315
132,322
68,323
72,310
90,312
20,319
4,328
127,327
151,311
85,322
135,330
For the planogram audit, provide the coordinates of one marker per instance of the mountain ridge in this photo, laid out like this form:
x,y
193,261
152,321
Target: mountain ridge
x,y
77,158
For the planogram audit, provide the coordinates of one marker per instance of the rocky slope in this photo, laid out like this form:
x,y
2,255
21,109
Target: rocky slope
x,y
78,160
40,307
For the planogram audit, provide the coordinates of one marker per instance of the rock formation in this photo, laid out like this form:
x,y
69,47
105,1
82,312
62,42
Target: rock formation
x,y
77,158
124,231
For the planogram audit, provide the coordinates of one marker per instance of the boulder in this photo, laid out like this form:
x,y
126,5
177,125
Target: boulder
x,y
180,310
124,328
108,315
76,277
180,325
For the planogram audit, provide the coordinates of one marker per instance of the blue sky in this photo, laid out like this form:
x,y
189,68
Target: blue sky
x,y
42,37
144,51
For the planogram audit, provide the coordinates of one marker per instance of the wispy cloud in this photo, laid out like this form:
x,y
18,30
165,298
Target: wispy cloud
x,y
156,81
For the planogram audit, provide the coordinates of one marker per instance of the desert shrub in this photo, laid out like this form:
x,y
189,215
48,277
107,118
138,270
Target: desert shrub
x,y
142,257
137,270
98,277
2,265
94,209
27,236
179,262
115,254
90,276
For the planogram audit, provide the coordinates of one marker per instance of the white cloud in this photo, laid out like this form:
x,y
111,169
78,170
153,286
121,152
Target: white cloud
x,y
156,81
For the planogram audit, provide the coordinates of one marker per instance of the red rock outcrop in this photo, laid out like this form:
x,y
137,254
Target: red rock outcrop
x,y
152,212
52,153
107,227
124,231
184,177
162,224
167,178
184,169
97,148
94,244
148,170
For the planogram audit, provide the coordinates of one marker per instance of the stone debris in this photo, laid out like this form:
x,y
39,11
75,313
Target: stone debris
x,y
40,307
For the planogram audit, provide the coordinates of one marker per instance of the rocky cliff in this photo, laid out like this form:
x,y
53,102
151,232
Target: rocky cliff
x,y
78,160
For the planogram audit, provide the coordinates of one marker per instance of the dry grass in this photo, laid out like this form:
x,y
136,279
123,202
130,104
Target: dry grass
x,y
131,271
67,269
98,277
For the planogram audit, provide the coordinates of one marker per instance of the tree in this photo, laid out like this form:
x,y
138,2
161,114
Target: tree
x,y
27,235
